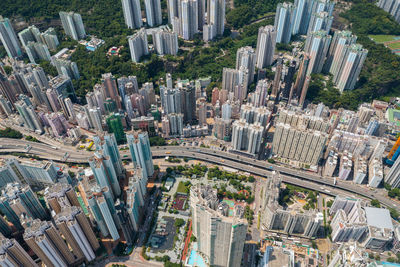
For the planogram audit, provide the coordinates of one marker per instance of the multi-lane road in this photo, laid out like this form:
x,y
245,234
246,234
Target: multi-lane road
x,y
260,168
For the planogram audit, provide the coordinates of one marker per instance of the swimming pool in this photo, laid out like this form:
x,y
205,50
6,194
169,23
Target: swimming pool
x,y
195,259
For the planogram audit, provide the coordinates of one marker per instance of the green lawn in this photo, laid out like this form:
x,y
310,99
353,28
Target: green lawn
x,y
182,188
382,38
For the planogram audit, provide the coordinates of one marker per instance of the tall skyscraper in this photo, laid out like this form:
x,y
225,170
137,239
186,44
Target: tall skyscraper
x,y
153,12
284,20
317,45
245,57
265,46
138,45
139,146
219,236
77,231
165,43
349,66
73,25
132,13
9,38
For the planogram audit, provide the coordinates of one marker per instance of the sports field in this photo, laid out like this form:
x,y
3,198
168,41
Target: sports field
x,y
390,41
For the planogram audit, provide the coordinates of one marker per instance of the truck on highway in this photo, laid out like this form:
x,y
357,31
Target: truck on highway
x,y
54,147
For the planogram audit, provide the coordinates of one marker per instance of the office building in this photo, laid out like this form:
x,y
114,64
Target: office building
x,y
77,231
13,255
220,237
9,38
165,43
46,241
246,58
132,13
103,210
105,174
284,20
265,46
317,45
139,147
349,66
138,45
73,25
153,12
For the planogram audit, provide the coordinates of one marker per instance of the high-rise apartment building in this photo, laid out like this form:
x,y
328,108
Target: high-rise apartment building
x,y
9,38
37,52
105,174
46,241
138,45
13,255
102,207
297,144
66,68
108,146
339,41
320,21
265,46
220,237
188,20
77,231
304,11
284,20
61,195
153,12
132,13
247,137
349,66
73,25
29,116
317,45
216,16
390,6
139,147
165,43
393,177
246,57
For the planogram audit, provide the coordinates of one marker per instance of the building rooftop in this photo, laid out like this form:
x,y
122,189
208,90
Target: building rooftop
x,y
379,218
